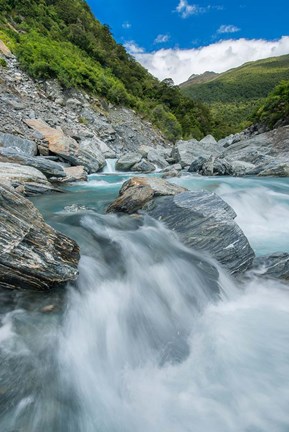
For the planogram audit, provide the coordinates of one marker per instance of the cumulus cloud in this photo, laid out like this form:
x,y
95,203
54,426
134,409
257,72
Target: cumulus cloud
x,y
228,29
179,64
162,38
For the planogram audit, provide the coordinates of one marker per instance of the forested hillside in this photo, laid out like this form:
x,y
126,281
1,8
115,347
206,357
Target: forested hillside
x,y
235,95
62,39
275,110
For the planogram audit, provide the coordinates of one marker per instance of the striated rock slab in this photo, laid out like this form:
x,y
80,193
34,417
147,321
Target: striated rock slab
x,y
47,167
85,153
205,222
30,181
32,254
138,191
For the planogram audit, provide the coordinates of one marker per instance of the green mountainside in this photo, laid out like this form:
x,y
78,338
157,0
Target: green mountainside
x,y
62,39
234,96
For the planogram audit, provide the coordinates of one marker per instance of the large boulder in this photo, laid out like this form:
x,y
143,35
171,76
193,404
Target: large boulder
x,y
27,147
157,159
33,255
209,139
47,167
138,191
215,167
186,152
28,180
85,153
203,221
143,166
127,161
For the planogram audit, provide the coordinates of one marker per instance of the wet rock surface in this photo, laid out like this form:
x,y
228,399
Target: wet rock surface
x,y
273,266
33,255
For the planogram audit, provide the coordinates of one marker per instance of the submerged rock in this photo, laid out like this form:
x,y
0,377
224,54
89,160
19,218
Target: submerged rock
x,y
33,255
274,266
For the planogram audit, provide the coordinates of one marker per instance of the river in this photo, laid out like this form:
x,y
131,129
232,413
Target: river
x,y
153,337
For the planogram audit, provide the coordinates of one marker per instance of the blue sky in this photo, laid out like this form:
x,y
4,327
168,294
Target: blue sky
x,y
179,37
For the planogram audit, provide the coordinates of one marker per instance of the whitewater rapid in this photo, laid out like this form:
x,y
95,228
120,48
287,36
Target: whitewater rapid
x,y
153,337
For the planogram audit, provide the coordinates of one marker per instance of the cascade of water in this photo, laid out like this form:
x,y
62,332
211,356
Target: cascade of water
x,y
153,337
110,166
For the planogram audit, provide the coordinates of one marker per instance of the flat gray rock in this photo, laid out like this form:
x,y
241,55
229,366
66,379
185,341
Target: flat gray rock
x,y
48,167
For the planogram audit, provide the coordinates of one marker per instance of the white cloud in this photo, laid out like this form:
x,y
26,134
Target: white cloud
x,y
133,48
179,64
185,9
162,38
126,25
228,29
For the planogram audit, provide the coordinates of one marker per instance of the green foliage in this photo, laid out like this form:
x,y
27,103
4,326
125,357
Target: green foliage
x,y
3,62
275,109
234,95
61,39
167,122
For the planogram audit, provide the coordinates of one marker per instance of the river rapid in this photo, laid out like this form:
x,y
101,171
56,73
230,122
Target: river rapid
x,y
153,337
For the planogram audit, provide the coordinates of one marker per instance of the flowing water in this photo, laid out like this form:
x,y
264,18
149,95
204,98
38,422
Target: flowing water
x,y
153,337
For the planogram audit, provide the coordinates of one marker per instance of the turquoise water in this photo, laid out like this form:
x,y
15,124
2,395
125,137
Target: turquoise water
x,y
261,204
153,337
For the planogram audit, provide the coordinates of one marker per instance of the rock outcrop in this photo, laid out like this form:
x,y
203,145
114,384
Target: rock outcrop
x,y
32,254
27,180
187,152
85,153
